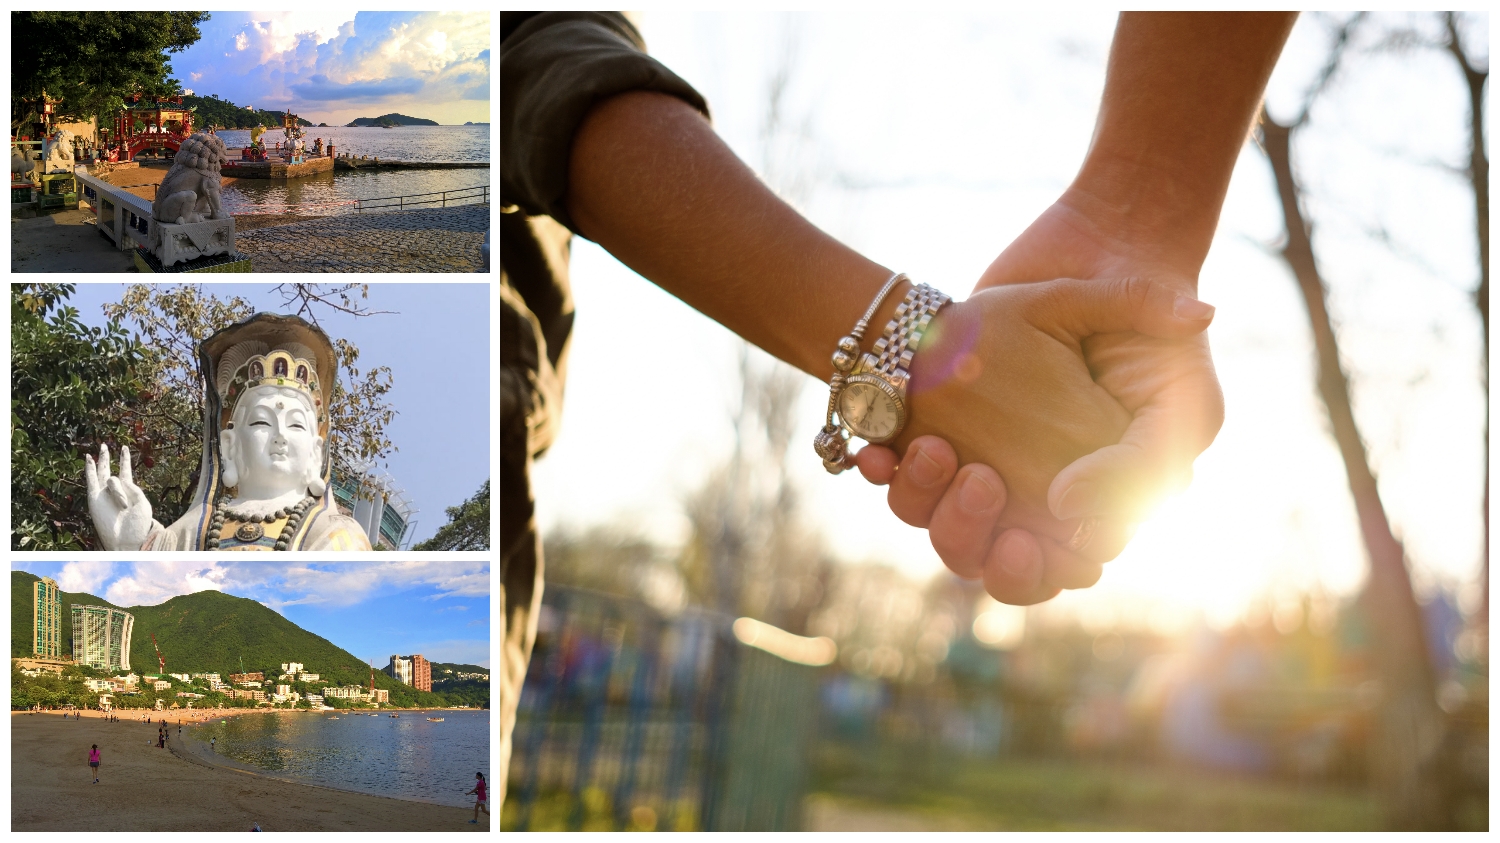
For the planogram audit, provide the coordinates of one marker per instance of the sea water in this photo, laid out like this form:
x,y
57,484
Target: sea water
x,y
314,194
405,758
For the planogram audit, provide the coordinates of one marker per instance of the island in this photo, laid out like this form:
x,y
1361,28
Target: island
x,y
476,124
393,119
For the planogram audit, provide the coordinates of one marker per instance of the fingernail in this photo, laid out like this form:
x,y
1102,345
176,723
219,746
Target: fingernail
x,y
1187,307
1080,499
976,495
924,470
1013,560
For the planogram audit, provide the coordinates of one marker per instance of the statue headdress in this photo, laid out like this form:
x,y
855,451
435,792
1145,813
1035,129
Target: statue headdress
x,y
267,349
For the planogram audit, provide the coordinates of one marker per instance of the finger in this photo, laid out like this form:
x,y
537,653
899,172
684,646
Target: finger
x,y
104,467
90,477
876,463
1013,570
1153,458
963,523
1065,569
926,471
126,476
1105,305
117,492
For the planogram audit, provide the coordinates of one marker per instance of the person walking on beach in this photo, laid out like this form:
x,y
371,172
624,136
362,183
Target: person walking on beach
x,y
213,744
94,762
481,797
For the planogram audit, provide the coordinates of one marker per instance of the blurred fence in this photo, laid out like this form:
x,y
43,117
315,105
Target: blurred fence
x,y
633,720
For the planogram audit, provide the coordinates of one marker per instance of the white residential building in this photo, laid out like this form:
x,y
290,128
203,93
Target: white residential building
x,y
213,678
97,685
181,677
292,667
307,677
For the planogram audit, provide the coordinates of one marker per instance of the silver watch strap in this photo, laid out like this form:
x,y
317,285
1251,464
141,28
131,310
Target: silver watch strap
x,y
903,334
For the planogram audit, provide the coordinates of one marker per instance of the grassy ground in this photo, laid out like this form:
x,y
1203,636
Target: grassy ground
x,y
867,791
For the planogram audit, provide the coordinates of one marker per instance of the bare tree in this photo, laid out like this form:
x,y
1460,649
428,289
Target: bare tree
x,y
1410,739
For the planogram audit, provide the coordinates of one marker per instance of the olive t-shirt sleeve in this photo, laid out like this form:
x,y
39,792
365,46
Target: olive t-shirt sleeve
x,y
554,66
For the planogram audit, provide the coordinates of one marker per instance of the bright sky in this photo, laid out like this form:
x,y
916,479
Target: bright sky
x,y
961,129
372,609
331,66
437,344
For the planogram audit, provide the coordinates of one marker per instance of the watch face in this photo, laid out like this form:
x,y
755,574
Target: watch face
x,y
869,411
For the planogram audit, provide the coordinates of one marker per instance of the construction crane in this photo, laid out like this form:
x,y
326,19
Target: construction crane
x,y
159,660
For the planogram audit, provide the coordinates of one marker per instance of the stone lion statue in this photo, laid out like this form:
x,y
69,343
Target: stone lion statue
x,y
57,152
190,192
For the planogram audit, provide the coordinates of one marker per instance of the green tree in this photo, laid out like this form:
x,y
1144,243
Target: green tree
x,y
468,526
92,60
173,320
72,388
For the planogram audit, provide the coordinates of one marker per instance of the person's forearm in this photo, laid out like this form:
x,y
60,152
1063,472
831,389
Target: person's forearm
x,y
1179,98
651,182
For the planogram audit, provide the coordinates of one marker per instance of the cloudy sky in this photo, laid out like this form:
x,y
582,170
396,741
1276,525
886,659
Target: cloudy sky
x,y
333,66
372,609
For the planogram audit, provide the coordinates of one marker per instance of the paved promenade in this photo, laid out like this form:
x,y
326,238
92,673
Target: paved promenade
x,y
422,240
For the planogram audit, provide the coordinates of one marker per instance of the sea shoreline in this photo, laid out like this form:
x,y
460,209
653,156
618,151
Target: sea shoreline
x,y
196,749
144,789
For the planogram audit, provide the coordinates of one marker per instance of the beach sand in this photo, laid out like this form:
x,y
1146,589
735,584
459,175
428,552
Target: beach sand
x,y
143,788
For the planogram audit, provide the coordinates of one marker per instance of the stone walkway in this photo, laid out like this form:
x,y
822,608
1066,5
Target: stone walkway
x,y
422,240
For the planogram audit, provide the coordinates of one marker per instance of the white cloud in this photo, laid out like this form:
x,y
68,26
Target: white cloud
x,y
150,583
241,42
84,576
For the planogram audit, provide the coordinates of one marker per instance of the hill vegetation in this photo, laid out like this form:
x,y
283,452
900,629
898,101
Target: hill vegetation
x,y
213,111
392,119
213,632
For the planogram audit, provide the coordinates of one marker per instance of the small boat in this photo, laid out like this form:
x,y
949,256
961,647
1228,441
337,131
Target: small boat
x,y
333,718
393,715
434,720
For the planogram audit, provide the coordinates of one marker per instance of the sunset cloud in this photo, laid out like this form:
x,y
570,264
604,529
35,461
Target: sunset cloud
x,y
329,67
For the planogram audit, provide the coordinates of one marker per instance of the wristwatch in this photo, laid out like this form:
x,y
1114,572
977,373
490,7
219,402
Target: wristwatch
x,y
867,392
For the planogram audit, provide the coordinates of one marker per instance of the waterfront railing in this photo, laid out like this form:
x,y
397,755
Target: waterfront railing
x,y
478,195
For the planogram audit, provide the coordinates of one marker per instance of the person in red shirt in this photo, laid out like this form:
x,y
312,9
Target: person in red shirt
x,y
481,797
94,763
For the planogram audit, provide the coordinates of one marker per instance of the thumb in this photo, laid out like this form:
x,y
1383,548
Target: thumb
x,y
1109,305
1154,458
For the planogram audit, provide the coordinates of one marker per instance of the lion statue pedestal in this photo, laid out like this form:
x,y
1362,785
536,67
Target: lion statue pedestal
x,y
188,221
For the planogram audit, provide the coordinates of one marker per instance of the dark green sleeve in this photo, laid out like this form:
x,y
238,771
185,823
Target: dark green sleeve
x,y
554,66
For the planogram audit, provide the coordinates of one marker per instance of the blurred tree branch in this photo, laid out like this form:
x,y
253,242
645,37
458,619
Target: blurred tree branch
x,y
1410,736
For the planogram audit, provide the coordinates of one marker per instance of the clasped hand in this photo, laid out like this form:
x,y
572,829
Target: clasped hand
x,y
1061,399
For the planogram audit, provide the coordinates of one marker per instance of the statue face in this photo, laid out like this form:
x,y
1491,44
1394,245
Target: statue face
x,y
274,443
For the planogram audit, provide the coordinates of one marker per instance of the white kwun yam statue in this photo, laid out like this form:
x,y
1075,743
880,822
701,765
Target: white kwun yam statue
x,y
188,216
266,471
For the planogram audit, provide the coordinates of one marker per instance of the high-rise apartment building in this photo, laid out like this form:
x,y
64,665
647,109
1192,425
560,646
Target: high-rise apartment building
x,y
421,673
411,670
101,637
399,669
46,620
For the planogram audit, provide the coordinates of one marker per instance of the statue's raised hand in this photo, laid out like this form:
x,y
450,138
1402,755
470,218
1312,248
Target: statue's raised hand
x,y
121,513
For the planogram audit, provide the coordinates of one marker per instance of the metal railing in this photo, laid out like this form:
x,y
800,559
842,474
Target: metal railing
x,y
632,719
480,195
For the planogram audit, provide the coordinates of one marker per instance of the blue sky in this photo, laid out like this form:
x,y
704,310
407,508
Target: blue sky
x,y
331,66
372,609
437,344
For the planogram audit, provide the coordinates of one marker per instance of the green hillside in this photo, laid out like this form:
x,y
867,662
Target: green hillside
x,y
392,119
212,111
212,632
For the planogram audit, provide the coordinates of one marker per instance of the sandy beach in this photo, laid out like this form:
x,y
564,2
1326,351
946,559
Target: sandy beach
x,y
143,788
